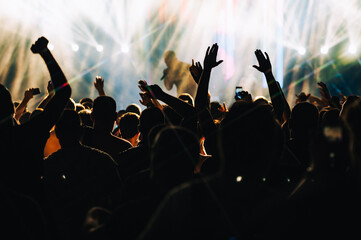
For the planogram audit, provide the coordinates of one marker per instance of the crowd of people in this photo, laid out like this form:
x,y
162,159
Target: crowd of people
x,y
184,167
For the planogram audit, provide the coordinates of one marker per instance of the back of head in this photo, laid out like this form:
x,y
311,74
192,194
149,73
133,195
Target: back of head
x,y
87,102
149,118
6,104
104,109
251,139
171,116
330,117
304,116
134,108
187,98
85,117
128,125
174,154
68,126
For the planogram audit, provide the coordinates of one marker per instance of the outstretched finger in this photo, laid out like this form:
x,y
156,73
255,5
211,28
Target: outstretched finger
x,y
267,57
207,52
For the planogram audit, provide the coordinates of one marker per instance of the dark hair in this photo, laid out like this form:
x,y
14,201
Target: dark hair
x,y
251,139
174,154
149,118
304,115
171,116
133,108
128,125
85,116
87,102
68,125
104,108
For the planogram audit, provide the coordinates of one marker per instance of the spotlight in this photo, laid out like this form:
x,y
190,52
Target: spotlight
x,y
125,48
301,50
352,49
51,46
324,49
99,48
75,47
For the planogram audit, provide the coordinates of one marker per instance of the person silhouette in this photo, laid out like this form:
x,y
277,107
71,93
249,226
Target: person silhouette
x,y
177,73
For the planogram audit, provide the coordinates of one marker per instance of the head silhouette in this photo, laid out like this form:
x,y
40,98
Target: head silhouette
x,y
128,125
134,108
68,128
174,154
149,118
104,111
304,119
251,140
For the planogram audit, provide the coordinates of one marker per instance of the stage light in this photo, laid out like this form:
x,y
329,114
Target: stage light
x,y
125,48
301,50
99,48
51,46
324,49
75,47
352,49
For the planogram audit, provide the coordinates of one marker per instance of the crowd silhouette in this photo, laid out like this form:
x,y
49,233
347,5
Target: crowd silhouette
x,y
185,167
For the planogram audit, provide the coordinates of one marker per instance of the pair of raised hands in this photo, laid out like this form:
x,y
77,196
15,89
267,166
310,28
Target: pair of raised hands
x,y
209,62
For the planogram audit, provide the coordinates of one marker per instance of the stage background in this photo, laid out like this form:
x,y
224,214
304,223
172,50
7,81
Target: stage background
x,y
124,41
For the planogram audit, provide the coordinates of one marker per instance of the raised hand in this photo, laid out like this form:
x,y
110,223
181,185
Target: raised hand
x,y
210,59
155,91
28,94
196,71
99,85
325,94
40,46
145,100
143,85
263,62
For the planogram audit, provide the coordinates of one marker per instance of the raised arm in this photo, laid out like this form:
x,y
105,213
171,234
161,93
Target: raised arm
x,y
99,85
278,101
182,108
55,107
210,61
28,94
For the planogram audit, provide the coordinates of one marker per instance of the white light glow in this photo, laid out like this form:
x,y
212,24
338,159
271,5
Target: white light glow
x,y
75,47
324,49
290,32
352,49
100,48
125,48
301,51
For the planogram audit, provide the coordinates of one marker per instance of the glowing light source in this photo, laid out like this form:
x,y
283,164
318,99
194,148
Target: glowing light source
x,y
125,48
352,49
301,50
51,46
239,178
100,48
324,49
75,47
